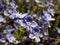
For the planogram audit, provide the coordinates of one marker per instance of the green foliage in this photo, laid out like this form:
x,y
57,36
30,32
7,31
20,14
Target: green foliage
x,y
53,29
19,33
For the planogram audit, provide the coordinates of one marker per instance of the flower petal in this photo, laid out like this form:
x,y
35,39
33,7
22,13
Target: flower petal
x,y
11,38
20,15
21,23
31,36
2,40
34,24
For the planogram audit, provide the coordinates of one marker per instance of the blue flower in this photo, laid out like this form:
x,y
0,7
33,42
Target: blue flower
x,y
16,14
51,10
8,11
2,40
13,15
36,34
8,29
11,38
20,22
46,24
47,16
12,3
28,21
20,15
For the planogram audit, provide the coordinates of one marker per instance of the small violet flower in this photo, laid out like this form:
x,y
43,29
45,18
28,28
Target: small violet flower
x,y
13,5
11,38
8,11
51,10
8,29
47,16
28,21
2,40
35,34
16,14
46,24
20,15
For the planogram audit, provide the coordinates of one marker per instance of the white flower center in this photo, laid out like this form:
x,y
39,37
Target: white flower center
x,y
28,23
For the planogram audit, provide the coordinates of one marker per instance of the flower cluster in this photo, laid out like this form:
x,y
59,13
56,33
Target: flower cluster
x,y
37,25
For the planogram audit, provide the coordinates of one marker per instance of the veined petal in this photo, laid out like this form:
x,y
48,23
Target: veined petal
x,y
20,15
11,38
34,24
2,20
23,15
6,13
52,11
2,40
51,19
21,23
12,16
31,36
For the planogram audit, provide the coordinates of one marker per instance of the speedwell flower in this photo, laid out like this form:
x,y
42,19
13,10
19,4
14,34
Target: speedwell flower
x,y
8,11
47,16
28,21
8,29
13,5
16,14
11,38
36,34
51,10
